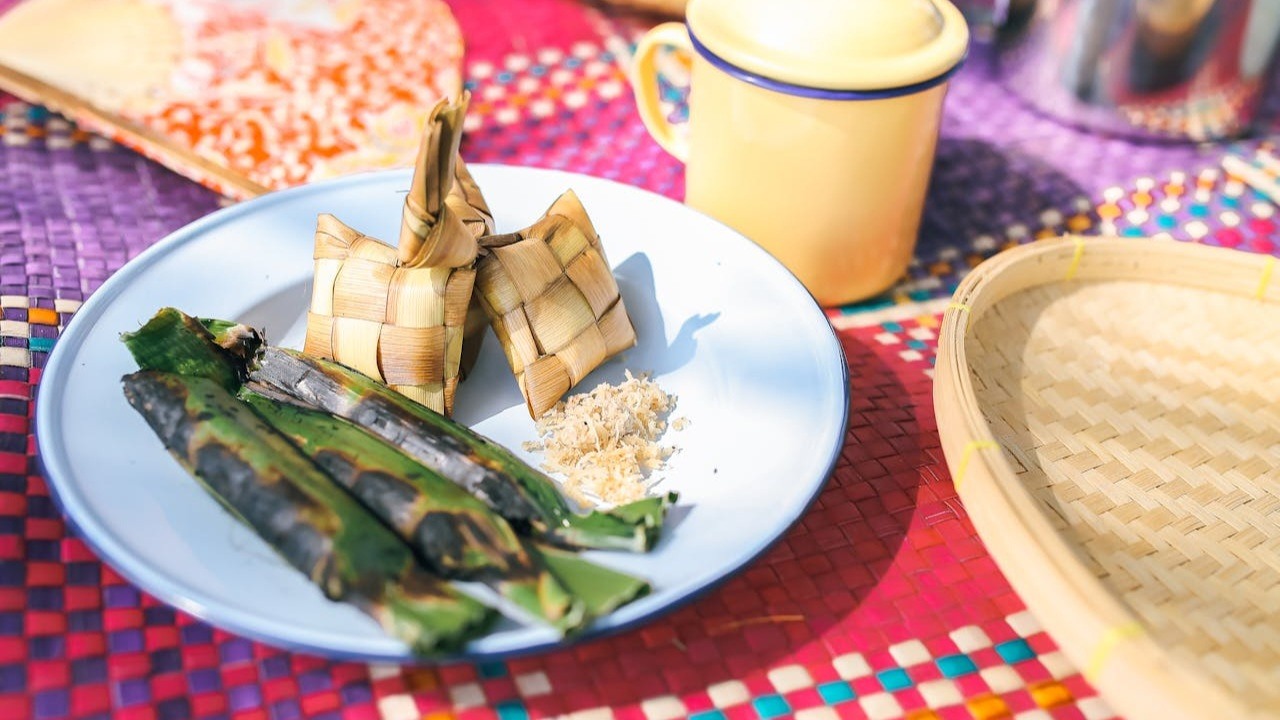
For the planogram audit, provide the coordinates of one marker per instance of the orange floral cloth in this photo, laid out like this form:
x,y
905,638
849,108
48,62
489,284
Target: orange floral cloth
x,y
283,93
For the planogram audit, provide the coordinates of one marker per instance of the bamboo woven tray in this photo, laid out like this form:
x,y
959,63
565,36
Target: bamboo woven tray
x,y
1110,412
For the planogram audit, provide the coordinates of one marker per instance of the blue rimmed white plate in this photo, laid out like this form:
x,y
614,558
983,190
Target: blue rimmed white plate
x,y
757,369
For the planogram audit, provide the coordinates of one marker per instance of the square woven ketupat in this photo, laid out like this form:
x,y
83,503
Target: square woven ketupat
x,y
553,301
402,324
402,314
1110,411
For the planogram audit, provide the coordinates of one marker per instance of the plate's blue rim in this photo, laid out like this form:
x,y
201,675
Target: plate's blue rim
x,y
54,464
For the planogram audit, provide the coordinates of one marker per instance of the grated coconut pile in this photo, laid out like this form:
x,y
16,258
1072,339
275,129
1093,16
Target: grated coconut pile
x,y
604,442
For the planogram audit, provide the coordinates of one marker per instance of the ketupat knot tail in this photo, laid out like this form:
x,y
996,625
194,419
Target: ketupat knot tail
x,y
444,211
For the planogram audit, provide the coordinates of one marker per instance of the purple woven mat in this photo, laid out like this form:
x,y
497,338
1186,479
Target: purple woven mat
x,y
979,109
1005,171
79,209
74,208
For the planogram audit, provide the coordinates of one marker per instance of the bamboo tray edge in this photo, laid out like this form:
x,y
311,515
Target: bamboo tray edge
x,y
1093,627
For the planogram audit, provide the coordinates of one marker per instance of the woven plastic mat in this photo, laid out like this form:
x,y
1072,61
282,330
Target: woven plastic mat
x,y
880,603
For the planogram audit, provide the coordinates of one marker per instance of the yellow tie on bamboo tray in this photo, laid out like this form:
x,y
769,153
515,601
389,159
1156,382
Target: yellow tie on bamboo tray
x,y
1107,645
961,307
1075,258
966,456
1268,266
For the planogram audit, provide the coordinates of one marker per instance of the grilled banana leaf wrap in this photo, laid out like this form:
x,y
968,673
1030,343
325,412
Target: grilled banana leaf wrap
x,y
266,482
453,532
525,497
172,341
601,590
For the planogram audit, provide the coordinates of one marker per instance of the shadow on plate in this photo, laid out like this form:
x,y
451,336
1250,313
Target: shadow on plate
x,y
282,316
653,353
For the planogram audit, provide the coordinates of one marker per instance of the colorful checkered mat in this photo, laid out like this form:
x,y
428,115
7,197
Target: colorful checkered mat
x,y
880,603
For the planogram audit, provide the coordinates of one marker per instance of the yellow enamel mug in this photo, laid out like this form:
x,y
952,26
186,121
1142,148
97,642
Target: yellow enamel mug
x,y
812,126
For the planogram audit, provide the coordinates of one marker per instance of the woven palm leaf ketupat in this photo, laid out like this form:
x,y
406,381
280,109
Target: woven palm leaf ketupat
x,y
401,315
467,202
443,197
553,302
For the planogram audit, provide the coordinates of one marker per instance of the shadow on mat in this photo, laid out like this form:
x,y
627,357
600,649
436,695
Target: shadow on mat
x,y
980,189
821,581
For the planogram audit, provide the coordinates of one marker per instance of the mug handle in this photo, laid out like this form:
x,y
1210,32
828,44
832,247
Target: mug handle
x,y
644,82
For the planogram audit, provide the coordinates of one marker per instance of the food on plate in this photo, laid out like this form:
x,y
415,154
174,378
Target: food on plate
x,y
442,193
269,485
523,495
407,316
400,324
604,442
358,514
601,590
313,448
242,341
454,532
400,315
553,302
172,341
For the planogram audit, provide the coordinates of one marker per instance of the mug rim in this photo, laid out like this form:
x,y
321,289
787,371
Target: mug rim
x,y
818,93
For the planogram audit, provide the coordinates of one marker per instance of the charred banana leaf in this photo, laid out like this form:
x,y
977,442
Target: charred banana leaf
x,y
172,341
455,533
602,589
241,341
312,523
524,496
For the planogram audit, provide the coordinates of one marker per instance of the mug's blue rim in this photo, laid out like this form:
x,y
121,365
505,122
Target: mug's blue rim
x,y
816,92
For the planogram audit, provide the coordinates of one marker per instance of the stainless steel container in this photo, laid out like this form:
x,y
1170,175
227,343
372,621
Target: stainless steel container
x,y
1157,69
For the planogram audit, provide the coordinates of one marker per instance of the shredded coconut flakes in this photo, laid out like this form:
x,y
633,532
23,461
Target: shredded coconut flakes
x,y
604,442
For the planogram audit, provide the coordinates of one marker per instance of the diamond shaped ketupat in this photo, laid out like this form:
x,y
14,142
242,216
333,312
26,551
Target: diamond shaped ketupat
x,y
553,302
401,315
